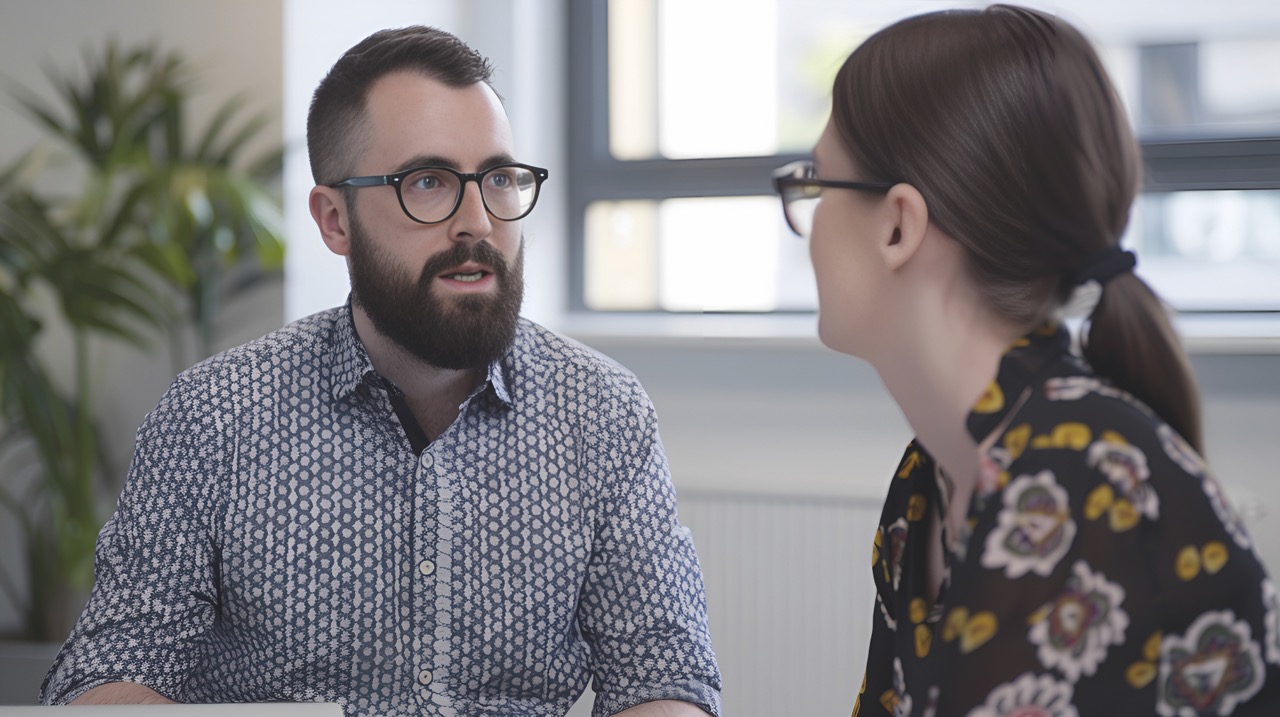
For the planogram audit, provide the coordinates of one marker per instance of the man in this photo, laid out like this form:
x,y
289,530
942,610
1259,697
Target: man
x,y
417,503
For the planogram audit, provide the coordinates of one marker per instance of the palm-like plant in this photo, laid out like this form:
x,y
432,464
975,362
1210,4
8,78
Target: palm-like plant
x,y
153,211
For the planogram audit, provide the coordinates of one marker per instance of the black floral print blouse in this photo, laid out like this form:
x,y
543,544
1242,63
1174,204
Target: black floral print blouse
x,y
1101,570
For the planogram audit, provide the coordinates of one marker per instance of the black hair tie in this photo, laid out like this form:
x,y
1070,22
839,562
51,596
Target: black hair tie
x,y
1104,266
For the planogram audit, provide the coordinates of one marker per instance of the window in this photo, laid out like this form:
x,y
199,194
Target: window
x,y
679,111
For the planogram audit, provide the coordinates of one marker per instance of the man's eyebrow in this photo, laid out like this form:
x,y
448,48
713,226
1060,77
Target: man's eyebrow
x,y
426,160
435,160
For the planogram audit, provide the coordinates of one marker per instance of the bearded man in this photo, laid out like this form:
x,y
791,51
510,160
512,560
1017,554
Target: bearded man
x,y
417,503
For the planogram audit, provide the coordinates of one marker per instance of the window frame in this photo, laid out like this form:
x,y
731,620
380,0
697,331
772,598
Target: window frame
x,y
1170,164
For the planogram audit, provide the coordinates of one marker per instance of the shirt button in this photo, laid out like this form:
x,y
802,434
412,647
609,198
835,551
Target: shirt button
x,y
426,460
424,677
426,567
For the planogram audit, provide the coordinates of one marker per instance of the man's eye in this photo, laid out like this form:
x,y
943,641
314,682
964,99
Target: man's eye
x,y
500,180
424,181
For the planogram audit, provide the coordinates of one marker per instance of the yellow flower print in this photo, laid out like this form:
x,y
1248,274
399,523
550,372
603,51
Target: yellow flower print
x,y
1214,555
1015,441
1188,563
954,625
1211,558
1151,648
992,399
910,463
917,610
1099,502
1075,436
978,631
889,700
1124,516
924,639
875,545
1141,673
916,506
1110,436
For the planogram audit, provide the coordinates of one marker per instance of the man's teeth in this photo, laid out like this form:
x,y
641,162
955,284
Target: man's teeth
x,y
475,276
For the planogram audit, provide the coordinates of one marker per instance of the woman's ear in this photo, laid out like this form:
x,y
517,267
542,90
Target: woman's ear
x,y
329,210
909,220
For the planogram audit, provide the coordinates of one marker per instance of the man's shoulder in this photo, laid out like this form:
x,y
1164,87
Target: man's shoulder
x,y
298,347
539,351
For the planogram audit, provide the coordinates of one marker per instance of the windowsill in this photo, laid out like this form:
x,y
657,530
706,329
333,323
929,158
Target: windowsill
x,y
1203,333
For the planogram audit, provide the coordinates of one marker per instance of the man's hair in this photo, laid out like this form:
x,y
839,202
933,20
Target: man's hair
x,y
336,131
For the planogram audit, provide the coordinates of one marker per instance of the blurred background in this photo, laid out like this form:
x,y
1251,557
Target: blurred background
x,y
158,146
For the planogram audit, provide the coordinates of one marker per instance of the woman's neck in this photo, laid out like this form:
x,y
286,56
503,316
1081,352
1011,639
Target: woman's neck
x,y
937,371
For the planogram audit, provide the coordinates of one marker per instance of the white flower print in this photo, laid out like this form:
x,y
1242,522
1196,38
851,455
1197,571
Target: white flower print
x,y
1215,666
896,545
1075,631
1125,465
1070,388
884,612
1179,451
1035,528
902,708
1029,696
1230,519
1271,602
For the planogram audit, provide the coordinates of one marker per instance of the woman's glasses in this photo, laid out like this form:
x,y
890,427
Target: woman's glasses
x,y
800,192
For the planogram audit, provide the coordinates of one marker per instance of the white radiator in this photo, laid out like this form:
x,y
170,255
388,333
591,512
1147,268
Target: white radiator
x,y
789,597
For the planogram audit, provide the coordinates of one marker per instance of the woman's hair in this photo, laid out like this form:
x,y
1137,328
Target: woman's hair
x,y
1006,123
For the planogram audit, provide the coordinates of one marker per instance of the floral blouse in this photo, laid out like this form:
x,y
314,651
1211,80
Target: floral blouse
x,y
1100,572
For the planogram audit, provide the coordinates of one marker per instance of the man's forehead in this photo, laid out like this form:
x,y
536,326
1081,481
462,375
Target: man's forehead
x,y
412,114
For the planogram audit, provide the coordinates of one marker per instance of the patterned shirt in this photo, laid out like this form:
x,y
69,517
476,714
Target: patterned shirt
x,y
278,538
1100,572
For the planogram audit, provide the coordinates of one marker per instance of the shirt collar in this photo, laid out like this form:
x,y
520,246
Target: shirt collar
x,y
1020,367
351,363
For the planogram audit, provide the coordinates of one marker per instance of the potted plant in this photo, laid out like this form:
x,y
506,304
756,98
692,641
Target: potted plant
x,y
158,226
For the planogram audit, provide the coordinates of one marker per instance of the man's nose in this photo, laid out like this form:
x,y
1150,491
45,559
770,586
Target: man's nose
x,y
472,221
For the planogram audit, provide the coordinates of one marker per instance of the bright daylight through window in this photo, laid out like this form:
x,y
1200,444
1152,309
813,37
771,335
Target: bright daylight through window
x,y
677,127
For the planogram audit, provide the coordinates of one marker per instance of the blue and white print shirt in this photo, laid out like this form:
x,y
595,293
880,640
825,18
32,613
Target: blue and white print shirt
x,y
277,538
1100,570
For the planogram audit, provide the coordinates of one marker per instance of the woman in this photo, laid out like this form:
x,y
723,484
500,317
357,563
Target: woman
x,y
1052,543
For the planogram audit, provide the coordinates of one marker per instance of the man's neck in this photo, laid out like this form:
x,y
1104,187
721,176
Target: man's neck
x,y
434,394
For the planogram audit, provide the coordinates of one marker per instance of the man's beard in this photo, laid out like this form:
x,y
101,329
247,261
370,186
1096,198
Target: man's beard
x,y
462,332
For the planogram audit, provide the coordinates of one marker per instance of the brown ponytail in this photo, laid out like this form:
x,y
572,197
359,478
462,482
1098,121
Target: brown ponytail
x,y
1131,341
1005,121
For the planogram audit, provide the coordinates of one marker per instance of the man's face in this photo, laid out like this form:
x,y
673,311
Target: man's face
x,y
448,293
453,332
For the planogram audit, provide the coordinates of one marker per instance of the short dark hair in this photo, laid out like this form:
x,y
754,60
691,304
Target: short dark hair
x,y
1007,124
336,119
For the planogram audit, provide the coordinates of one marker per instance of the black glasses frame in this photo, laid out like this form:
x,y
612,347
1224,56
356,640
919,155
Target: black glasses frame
x,y
798,176
397,180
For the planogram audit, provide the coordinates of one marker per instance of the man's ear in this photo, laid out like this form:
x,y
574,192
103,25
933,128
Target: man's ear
x,y
909,217
329,210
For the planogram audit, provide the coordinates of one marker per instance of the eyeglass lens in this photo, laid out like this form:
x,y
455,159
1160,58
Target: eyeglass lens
x,y
431,195
800,201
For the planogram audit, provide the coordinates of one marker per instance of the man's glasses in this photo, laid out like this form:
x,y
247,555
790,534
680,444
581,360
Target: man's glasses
x,y
800,192
429,195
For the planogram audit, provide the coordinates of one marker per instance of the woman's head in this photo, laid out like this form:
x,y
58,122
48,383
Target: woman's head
x,y
1004,120
1006,123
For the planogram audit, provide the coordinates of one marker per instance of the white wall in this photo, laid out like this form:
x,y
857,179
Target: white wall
x,y
523,39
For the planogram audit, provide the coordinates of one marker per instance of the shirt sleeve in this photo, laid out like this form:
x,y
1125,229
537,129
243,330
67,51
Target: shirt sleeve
x,y
1105,578
154,595
643,608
